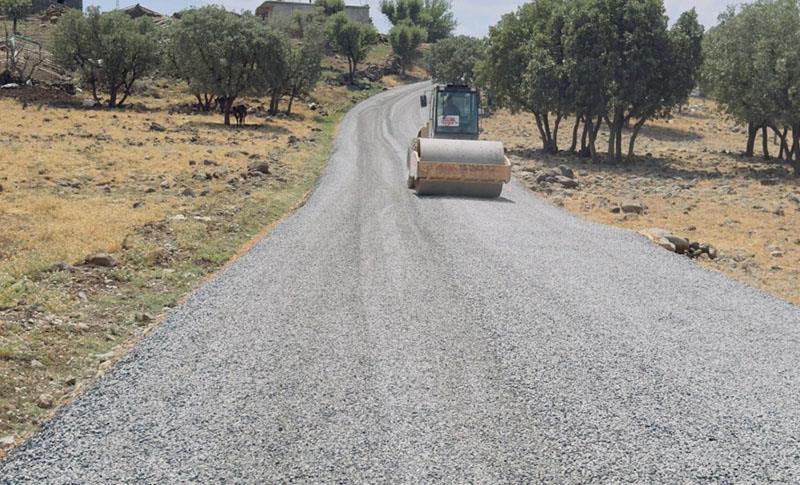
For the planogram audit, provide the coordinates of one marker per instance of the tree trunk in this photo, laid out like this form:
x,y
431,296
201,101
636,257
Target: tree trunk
x,y
794,153
554,139
292,95
575,129
548,143
14,27
226,107
751,139
93,84
112,97
765,142
779,137
540,126
632,142
612,138
274,101
351,65
618,142
593,131
587,126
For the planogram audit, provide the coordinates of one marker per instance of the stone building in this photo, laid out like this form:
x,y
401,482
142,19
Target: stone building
x,y
40,5
267,9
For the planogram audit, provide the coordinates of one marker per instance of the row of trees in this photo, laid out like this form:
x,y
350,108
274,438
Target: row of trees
x,y
752,69
598,61
222,56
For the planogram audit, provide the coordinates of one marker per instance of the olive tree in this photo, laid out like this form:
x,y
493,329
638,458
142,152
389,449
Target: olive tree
x,y
304,64
522,50
453,60
351,39
612,61
109,51
435,16
405,39
225,56
761,89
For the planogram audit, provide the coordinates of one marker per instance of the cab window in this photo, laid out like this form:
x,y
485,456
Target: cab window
x,y
457,113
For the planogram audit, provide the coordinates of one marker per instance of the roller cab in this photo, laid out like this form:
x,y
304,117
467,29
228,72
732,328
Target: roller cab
x,y
447,158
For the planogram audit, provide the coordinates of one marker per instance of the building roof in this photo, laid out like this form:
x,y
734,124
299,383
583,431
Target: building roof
x,y
136,11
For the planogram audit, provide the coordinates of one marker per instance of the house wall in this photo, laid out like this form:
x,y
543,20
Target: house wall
x,y
39,5
268,9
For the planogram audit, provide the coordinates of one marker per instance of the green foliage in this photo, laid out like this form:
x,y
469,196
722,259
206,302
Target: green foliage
x,y
405,38
597,60
109,51
226,56
453,60
752,68
330,7
351,39
304,64
15,10
435,16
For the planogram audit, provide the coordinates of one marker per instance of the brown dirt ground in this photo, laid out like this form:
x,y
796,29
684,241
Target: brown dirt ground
x,y
165,190
693,182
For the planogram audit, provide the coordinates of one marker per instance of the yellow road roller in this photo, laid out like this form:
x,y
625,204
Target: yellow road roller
x,y
447,157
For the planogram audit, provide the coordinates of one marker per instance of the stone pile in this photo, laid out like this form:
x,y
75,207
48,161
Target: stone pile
x,y
679,244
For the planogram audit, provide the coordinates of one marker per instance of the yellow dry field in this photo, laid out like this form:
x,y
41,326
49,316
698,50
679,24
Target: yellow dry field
x,y
169,193
693,181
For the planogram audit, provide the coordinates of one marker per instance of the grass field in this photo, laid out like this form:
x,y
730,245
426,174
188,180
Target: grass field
x,y
170,194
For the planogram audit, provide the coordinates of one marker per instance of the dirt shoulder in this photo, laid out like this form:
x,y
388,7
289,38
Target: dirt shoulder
x,y
689,180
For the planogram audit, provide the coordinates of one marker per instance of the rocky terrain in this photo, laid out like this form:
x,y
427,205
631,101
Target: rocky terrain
x,y
736,215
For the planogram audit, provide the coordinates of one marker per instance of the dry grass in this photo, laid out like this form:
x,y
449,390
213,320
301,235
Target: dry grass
x,y
171,206
693,183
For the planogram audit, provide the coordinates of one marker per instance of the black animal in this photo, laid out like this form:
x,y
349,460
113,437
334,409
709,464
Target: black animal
x,y
240,113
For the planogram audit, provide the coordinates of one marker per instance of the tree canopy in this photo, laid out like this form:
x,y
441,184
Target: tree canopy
x,y
752,69
612,61
453,60
109,51
405,38
351,39
225,56
435,16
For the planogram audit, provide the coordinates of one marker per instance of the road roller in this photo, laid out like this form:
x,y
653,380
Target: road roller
x,y
447,157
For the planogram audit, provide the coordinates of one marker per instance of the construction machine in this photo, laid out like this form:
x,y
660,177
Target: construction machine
x,y
447,157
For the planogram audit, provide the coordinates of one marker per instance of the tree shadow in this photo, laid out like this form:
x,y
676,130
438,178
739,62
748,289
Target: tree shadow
x,y
264,127
664,168
668,133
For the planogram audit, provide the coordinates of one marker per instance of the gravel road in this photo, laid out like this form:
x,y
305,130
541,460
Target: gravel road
x,y
376,336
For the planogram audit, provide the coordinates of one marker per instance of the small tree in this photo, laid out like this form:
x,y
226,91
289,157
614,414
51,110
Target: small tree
x,y
226,56
405,38
454,60
304,64
440,19
15,10
351,39
330,7
435,16
109,51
